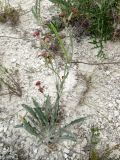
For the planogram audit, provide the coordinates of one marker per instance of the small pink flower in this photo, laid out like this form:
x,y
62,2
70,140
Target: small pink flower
x,y
36,34
40,88
38,83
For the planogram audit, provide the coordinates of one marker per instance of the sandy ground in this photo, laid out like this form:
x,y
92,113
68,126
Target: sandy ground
x,y
89,90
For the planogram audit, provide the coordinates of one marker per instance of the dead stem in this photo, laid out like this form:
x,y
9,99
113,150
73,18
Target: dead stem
x,y
95,63
15,38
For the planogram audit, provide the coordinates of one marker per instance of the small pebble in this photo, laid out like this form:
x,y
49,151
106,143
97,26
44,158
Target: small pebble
x,y
116,113
65,155
13,60
35,150
107,72
5,129
1,129
118,101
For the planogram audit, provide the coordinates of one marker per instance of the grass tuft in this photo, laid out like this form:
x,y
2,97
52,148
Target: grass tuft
x,y
9,80
9,14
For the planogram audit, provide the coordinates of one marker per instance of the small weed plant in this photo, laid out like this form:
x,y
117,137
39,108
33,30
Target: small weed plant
x,y
36,10
9,80
102,17
93,151
9,13
43,121
93,155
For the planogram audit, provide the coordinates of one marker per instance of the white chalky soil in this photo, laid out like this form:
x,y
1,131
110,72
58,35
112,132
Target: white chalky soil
x,y
101,101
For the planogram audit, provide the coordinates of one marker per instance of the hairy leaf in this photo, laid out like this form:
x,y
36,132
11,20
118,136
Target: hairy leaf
x,y
79,120
40,113
30,110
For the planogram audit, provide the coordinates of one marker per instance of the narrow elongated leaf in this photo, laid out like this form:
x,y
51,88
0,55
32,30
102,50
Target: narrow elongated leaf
x,y
36,9
27,126
75,122
33,122
56,108
34,13
19,126
30,110
37,105
68,133
41,116
39,112
68,137
48,105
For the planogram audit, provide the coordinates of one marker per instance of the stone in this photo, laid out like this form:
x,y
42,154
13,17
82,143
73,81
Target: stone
x,y
116,113
5,129
118,101
13,60
107,72
65,155
35,150
1,129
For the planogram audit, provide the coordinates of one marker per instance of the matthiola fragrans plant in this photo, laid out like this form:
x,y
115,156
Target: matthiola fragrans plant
x,y
44,120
